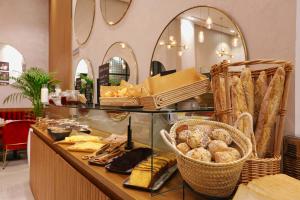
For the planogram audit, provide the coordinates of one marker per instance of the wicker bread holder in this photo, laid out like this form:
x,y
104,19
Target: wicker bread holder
x,y
212,179
255,167
119,101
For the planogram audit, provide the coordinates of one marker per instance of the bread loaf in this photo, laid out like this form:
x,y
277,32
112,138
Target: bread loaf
x,y
268,112
261,86
248,87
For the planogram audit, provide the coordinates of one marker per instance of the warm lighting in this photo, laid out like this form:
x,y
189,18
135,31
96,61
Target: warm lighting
x,y
123,45
161,43
173,42
209,23
232,31
169,46
110,22
151,73
201,36
235,41
180,53
171,38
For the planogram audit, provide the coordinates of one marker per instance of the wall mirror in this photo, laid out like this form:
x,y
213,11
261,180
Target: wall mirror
x,y
199,37
84,79
12,64
84,20
113,11
122,64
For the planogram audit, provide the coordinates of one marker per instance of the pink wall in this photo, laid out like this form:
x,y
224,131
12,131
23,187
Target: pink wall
x,y
268,27
24,25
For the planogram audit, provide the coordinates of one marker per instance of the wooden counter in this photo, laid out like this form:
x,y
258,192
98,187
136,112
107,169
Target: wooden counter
x,y
56,173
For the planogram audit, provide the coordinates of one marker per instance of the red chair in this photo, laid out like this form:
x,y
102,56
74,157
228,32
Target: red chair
x,y
15,136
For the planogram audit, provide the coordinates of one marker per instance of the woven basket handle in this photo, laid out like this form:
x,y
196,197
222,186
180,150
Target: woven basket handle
x,y
256,62
251,132
167,139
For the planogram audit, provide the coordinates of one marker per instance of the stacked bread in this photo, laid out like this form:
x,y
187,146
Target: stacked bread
x,y
204,143
260,99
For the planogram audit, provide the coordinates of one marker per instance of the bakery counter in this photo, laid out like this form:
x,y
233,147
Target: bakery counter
x,y
56,173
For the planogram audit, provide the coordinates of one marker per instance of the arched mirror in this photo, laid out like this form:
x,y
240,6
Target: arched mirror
x,y
84,79
84,20
122,64
113,11
199,37
156,68
12,64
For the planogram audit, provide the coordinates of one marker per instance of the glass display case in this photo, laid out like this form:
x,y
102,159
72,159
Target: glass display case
x,y
145,126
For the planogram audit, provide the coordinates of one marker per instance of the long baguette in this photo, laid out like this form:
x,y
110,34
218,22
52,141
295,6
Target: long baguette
x,y
261,87
248,88
268,112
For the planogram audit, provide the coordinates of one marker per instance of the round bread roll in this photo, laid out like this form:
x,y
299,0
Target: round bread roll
x,y
223,157
234,153
217,145
204,128
197,138
200,154
221,134
183,147
182,136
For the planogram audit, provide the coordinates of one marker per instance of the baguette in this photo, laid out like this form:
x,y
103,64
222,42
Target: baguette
x,y
268,112
239,104
248,87
261,86
222,99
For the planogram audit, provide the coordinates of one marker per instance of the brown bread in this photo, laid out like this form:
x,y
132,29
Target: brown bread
x,y
248,87
261,86
268,112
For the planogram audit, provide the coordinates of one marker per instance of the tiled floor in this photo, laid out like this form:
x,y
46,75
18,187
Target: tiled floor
x,y
14,181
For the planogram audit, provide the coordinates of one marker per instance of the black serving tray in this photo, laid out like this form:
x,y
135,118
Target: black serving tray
x,y
164,177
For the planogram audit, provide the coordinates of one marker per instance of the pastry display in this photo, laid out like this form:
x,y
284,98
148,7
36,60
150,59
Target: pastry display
x,y
221,134
183,147
127,161
268,112
141,175
197,138
200,154
88,147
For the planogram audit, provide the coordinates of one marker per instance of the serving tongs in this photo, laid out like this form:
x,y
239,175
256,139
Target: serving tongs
x,y
98,152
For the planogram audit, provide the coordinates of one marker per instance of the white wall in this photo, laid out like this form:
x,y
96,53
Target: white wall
x,y
268,27
24,25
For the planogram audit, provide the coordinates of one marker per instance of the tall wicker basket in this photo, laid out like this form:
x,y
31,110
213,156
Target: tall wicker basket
x,y
254,167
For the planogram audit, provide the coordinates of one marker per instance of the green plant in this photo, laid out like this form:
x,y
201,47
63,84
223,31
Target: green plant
x,y
85,80
29,85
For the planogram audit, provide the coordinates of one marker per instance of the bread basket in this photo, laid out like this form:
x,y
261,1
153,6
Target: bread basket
x,y
212,179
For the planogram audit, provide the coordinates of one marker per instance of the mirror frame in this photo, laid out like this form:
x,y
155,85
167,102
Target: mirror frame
x,y
133,54
91,29
121,18
210,7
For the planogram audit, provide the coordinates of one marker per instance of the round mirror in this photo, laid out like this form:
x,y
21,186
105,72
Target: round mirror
x,y
122,64
84,20
113,11
84,79
12,64
199,37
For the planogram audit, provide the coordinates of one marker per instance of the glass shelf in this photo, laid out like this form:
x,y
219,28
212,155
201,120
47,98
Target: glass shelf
x,y
136,110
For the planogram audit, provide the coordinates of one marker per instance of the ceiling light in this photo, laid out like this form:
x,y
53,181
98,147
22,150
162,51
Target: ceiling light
x,y
123,45
110,22
169,46
173,42
235,41
232,31
161,43
171,38
201,36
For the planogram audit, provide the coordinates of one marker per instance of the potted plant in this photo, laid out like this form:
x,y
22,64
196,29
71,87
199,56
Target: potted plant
x,y
29,85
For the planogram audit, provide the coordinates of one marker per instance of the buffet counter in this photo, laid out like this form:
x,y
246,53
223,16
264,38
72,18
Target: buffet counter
x,y
56,173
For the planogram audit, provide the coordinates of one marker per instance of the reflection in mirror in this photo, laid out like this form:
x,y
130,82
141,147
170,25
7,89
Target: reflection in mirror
x,y
199,37
113,11
84,79
156,68
122,64
12,64
84,19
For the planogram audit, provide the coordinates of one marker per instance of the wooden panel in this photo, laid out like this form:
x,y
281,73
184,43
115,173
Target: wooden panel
x,y
60,38
42,169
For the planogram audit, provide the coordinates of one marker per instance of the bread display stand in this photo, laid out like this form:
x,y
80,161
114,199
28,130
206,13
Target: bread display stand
x,y
119,101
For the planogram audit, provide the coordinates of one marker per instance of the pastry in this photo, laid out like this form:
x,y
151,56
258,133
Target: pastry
x,y
224,157
234,153
261,87
217,145
268,112
82,138
204,128
183,135
88,147
183,147
197,138
199,154
248,86
221,134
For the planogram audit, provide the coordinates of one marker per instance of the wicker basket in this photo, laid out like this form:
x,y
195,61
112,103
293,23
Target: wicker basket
x,y
119,101
212,179
176,95
222,70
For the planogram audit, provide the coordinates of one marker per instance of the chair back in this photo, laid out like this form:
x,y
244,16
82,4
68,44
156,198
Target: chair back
x,y
16,132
